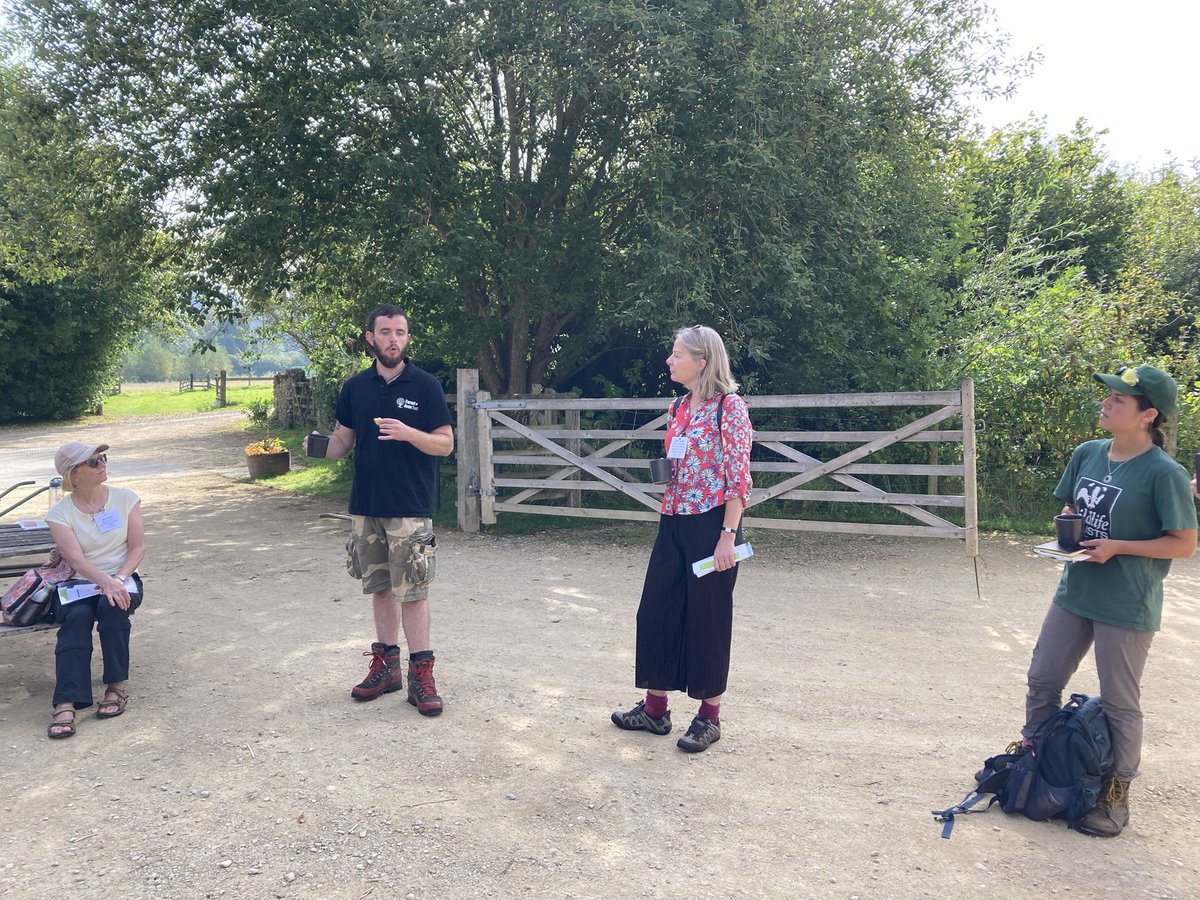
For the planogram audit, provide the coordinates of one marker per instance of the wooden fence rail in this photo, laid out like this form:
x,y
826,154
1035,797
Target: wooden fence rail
x,y
494,445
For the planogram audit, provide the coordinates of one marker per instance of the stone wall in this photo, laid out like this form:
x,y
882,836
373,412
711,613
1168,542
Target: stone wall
x,y
294,404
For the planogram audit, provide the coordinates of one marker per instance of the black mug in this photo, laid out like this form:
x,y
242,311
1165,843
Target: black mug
x,y
1068,530
316,444
660,471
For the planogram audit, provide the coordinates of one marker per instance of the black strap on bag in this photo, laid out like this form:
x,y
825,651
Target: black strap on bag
x,y
720,409
996,772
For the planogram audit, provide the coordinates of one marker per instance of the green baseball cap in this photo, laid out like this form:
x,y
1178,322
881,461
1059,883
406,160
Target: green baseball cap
x,y
1153,384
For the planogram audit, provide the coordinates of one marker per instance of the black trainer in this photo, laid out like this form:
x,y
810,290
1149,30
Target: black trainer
x,y
701,734
637,719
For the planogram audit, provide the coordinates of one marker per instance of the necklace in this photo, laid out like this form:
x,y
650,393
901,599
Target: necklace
x,y
1109,463
92,512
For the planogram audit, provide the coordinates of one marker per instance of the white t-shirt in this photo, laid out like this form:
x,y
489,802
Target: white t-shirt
x,y
106,550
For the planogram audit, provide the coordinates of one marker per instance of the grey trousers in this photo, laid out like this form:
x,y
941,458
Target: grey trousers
x,y
1120,660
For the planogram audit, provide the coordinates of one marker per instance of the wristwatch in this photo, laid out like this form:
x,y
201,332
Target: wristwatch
x,y
728,530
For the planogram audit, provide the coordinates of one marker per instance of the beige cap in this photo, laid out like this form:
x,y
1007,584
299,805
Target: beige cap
x,y
72,454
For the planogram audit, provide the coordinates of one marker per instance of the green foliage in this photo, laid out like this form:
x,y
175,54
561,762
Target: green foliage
x,y
75,258
542,184
156,358
1059,191
60,348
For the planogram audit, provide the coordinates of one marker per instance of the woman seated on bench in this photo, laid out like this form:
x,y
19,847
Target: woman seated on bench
x,y
98,531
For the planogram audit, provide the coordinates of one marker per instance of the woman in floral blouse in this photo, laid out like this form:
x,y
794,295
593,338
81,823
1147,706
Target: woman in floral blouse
x,y
684,623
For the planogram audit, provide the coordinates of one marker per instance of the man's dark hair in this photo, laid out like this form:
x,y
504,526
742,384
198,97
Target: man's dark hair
x,y
387,310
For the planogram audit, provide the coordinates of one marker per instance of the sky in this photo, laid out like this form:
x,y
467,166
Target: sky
x,y
1129,67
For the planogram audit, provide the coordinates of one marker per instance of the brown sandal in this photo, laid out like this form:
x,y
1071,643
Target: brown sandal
x,y
114,707
68,727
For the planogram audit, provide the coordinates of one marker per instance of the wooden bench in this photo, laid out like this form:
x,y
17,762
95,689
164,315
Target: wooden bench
x,y
6,630
22,549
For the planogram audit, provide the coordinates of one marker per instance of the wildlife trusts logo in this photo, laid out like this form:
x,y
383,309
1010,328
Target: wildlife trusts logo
x,y
1095,500
405,403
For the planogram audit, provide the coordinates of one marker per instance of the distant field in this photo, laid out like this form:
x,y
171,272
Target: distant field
x,y
156,399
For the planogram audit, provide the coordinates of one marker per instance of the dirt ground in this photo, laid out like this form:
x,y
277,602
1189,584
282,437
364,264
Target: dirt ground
x,y
869,680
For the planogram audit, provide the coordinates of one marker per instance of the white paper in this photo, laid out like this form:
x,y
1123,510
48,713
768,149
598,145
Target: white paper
x,y
81,590
678,448
1052,550
704,566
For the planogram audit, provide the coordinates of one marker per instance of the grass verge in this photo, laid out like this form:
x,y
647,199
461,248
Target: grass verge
x,y
167,400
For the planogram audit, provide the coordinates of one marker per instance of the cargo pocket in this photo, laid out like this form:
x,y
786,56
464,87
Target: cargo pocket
x,y
420,558
353,566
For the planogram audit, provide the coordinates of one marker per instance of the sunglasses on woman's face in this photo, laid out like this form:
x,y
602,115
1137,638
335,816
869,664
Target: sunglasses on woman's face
x,y
94,462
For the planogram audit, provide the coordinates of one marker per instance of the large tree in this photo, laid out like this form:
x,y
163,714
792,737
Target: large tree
x,y
76,245
541,182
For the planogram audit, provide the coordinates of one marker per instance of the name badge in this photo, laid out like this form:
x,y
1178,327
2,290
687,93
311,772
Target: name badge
x,y
678,448
107,521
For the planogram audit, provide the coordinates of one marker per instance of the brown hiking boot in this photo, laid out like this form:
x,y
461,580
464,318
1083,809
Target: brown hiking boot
x,y
384,675
422,692
1110,816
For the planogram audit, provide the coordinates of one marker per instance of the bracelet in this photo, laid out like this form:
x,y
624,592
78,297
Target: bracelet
x,y
728,530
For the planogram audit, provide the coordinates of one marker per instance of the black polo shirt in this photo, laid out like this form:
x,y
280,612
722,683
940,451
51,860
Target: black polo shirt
x,y
392,478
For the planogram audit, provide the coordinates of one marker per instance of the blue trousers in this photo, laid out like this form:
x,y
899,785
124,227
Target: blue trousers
x,y
73,653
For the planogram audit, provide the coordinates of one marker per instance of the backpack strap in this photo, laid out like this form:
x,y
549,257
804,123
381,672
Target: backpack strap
x,y
996,772
720,408
965,806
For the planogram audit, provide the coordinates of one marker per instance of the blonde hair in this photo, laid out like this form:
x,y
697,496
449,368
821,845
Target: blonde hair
x,y
715,376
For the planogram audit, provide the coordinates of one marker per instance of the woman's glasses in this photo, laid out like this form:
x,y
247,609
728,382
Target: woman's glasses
x,y
94,462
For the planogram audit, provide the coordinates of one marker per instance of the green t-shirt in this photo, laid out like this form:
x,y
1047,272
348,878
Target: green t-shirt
x,y
1147,496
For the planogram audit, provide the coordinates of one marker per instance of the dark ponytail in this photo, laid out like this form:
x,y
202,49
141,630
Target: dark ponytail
x,y
1156,433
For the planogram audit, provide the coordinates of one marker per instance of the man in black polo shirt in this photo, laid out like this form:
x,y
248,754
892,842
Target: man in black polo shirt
x,y
394,417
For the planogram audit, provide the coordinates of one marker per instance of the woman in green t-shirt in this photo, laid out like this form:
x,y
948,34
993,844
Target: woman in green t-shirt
x,y
1138,516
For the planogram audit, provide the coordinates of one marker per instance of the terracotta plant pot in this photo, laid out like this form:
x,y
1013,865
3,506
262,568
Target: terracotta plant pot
x,y
268,465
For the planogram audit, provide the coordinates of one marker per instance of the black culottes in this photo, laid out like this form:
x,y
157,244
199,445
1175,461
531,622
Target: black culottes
x,y
685,623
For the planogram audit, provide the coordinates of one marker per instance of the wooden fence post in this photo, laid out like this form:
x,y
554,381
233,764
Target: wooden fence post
x,y
221,398
970,501
487,480
467,478
572,419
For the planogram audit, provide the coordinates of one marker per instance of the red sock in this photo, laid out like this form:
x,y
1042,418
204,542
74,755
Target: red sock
x,y
656,706
711,711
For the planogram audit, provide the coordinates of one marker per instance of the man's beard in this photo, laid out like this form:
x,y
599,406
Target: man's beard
x,y
389,358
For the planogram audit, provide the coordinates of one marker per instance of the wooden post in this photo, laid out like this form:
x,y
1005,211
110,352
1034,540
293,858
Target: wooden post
x,y
970,487
572,419
487,480
220,402
931,483
467,451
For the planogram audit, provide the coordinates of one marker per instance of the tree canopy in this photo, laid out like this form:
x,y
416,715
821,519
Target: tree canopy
x,y
544,183
76,281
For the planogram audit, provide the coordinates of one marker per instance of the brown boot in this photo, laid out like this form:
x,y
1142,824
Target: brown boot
x,y
1111,814
384,675
422,692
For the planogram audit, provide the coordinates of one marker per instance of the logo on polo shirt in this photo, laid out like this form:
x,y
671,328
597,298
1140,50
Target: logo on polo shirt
x,y
405,403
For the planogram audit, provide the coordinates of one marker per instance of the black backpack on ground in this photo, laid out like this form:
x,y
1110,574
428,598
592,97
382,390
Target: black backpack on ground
x,y
1059,777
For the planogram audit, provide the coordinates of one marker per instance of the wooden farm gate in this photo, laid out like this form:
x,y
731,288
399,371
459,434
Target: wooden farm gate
x,y
496,450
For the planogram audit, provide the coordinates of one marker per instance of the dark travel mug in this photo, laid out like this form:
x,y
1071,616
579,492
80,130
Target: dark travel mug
x,y
316,444
660,471
1068,529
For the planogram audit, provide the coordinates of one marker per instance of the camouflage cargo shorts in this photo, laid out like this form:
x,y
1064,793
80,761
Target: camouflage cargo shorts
x,y
398,553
